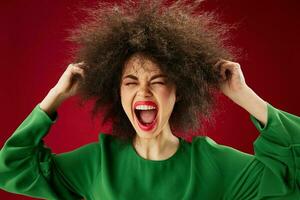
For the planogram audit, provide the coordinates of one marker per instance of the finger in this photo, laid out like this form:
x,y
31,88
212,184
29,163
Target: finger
x,y
220,63
76,64
224,72
81,63
224,65
235,70
77,70
70,65
81,73
218,67
234,67
228,70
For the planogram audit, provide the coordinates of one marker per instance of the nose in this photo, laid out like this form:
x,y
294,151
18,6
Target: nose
x,y
144,90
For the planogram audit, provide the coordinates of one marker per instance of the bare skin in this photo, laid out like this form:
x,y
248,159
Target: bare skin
x,y
235,88
64,89
161,143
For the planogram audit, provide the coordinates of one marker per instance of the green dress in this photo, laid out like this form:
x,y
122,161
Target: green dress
x,y
112,170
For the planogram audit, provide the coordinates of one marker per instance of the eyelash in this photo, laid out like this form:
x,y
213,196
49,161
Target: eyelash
x,y
153,83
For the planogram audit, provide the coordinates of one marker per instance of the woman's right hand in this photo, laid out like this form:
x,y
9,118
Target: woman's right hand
x,y
67,85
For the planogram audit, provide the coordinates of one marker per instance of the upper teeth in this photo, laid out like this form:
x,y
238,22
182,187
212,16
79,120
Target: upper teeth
x,y
144,107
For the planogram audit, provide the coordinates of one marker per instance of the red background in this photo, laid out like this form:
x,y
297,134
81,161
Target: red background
x,y
34,55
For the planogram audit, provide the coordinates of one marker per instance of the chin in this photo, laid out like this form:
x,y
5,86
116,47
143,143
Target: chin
x,y
147,135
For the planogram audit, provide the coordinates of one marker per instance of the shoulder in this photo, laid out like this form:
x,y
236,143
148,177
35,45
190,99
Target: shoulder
x,y
105,138
207,144
110,142
220,154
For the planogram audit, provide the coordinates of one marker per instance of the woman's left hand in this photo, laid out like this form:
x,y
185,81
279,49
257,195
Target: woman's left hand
x,y
235,87
233,78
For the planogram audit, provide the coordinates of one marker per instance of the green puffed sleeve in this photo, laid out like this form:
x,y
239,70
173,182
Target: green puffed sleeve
x,y
28,167
274,170
278,148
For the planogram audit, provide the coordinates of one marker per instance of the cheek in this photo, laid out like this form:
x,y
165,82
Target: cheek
x,y
167,95
167,100
126,99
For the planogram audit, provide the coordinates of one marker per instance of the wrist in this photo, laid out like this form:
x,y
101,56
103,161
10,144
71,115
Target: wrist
x,y
57,94
242,95
52,101
252,103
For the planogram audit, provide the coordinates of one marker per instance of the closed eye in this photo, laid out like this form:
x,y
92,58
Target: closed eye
x,y
159,83
129,83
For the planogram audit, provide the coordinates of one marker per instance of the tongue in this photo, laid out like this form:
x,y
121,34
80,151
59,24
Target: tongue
x,y
147,116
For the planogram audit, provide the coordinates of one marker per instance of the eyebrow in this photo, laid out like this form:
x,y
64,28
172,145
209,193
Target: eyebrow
x,y
153,77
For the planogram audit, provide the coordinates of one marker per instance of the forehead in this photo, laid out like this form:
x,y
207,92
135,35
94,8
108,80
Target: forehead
x,y
140,64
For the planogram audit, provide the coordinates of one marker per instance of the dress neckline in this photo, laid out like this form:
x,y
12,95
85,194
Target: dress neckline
x,y
172,157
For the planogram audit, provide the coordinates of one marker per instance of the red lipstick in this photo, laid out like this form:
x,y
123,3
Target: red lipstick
x,y
148,103
151,126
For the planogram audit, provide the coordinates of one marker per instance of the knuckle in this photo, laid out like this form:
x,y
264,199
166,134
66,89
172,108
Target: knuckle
x,y
236,66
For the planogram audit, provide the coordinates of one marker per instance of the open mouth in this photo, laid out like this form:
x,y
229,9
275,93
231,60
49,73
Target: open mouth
x,y
146,116
148,121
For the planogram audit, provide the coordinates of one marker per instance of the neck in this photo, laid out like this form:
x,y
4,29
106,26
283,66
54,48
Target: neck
x,y
161,147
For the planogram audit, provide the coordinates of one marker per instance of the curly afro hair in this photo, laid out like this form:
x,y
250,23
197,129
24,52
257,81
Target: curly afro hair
x,y
186,45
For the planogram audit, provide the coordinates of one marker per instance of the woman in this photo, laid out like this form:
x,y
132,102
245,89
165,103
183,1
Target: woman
x,y
155,70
